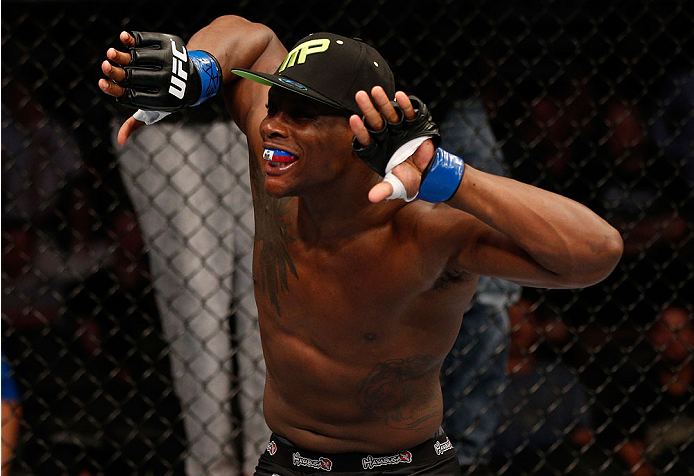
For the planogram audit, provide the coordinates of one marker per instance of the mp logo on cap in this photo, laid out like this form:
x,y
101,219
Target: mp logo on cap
x,y
300,52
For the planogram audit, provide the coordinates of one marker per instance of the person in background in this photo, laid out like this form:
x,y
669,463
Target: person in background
x,y
11,417
546,421
188,184
474,373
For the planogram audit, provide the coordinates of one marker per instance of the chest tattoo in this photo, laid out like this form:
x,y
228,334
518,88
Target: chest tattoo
x,y
271,238
394,394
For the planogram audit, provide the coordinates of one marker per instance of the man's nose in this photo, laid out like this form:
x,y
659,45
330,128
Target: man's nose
x,y
273,126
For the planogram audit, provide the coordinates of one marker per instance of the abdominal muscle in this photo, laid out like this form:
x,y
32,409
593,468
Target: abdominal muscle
x,y
353,364
387,404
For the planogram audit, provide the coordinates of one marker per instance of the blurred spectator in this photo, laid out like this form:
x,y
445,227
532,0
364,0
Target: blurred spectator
x,y
672,127
11,417
473,374
40,261
50,239
669,440
49,220
547,126
547,417
189,185
643,197
72,320
644,393
109,367
39,156
558,132
18,248
111,313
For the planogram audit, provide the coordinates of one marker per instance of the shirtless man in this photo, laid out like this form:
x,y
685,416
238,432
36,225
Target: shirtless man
x,y
359,298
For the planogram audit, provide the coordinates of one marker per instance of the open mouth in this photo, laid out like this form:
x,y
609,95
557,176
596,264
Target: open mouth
x,y
279,159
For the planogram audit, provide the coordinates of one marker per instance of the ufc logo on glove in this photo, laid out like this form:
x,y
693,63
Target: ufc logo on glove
x,y
178,73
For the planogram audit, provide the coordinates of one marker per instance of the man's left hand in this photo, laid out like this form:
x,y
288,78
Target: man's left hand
x,y
375,110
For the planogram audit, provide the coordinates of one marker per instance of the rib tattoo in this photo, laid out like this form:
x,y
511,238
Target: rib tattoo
x,y
394,394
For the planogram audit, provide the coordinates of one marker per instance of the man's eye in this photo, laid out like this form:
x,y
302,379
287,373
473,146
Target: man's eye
x,y
302,114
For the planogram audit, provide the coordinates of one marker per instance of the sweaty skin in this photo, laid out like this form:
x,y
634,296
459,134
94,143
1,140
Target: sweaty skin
x,y
350,357
360,299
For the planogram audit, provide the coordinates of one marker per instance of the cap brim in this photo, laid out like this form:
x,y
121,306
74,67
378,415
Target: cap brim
x,y
288,84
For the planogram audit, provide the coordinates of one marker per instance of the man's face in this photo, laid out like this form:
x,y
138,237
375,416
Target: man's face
x,y
317,135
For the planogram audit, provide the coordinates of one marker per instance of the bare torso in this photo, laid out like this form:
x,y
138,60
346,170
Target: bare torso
x,y
354,334
355,327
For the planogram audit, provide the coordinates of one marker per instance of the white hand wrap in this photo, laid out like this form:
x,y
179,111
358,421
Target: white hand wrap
x,y
398,157
150,117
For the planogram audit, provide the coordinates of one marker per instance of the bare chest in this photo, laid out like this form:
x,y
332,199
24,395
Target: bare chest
x,y
345,283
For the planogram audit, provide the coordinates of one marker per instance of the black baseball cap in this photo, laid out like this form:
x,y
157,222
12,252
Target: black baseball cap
x,y
331,69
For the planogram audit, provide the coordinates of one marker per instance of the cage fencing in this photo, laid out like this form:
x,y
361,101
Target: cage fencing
x,y
128,319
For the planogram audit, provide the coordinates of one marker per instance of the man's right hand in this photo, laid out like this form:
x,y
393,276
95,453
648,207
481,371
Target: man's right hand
x,y
158,74
117,75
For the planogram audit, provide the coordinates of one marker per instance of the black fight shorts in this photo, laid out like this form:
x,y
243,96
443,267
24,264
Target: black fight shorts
x,y
434,457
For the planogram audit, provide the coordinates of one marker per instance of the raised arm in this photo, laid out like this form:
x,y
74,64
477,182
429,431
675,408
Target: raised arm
x,y
232,42
534,237
239,43
510,229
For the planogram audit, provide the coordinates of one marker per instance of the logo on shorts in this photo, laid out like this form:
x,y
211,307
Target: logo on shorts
x,y
321,463
371,462
272,448
441,448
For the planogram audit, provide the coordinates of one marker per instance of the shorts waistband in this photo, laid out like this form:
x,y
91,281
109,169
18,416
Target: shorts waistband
x,y
284,452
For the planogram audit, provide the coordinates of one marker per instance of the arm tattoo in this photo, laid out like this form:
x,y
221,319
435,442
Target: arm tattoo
x,y
271,238
394,394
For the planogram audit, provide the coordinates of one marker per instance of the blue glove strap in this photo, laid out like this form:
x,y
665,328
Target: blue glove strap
x,y
443,178
209,74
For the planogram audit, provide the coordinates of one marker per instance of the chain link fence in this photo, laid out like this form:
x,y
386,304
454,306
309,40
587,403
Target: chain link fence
x,y
128,319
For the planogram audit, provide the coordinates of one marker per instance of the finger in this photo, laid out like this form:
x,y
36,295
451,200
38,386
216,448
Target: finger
x,y
359,130
113,72
406,105
371,115
384,105
145,78
128,127
112,89
423,155
409,176
127,39
380,192
118,57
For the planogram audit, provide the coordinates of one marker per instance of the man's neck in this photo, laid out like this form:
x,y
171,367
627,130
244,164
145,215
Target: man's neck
x,y
332,216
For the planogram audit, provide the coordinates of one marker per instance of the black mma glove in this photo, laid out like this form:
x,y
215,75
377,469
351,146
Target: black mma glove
x,y
440,179
163,76
385,142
